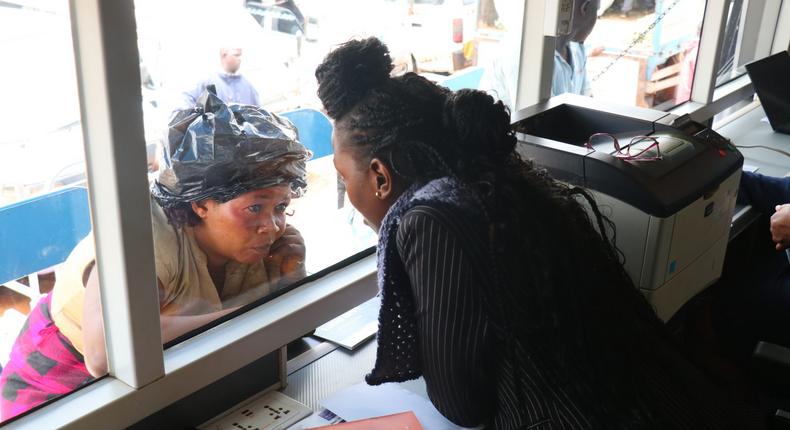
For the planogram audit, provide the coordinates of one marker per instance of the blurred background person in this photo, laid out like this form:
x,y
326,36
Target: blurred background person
x,y
231,86
627,7
570,56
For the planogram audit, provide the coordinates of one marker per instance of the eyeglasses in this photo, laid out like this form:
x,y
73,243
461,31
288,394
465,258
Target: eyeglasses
x,y
627,155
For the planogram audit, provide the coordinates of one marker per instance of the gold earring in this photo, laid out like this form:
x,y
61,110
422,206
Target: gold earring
x,y
378,194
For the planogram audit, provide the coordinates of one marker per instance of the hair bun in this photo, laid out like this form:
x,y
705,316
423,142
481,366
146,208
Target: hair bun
x,y
479,126
349,72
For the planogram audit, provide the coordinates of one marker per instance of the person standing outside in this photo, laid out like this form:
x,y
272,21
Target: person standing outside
x,y
221,241
570,56
230,84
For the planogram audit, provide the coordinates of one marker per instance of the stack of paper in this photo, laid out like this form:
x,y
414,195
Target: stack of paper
x,y
401,421
353,327
363,401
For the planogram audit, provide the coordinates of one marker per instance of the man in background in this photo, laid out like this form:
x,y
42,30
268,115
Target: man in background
x,y
231,86
570,56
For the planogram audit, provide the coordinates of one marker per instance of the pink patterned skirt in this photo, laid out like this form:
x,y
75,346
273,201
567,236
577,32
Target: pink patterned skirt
x,y
43,365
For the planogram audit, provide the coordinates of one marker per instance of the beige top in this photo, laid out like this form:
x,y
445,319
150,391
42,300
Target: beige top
x,y
181,268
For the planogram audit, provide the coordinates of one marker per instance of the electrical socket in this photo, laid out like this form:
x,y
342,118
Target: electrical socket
x,y
271,411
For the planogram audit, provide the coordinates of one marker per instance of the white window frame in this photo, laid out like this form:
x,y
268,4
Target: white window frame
x,y
109,87
209,356
707,100
781,40
536,58
142,378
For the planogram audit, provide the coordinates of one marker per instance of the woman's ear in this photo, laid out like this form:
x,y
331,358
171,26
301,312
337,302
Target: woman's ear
x,y
200,208
380,179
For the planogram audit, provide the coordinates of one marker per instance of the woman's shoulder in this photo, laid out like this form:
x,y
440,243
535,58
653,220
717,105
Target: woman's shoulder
x,y
425,211
168,244
166,236
442,222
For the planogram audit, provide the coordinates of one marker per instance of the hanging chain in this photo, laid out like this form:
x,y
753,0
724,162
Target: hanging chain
x,y
639,37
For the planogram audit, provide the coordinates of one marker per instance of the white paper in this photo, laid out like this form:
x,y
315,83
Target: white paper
x,y
352,328
312,421
364,401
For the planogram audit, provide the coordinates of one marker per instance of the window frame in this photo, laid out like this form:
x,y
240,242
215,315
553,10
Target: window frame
x,y
710,100
536,57
211,355
108,84
706,100
143,378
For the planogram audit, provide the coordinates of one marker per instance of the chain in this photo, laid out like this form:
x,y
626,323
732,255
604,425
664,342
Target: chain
x,y
639,37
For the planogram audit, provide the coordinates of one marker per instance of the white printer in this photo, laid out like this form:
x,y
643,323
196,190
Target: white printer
x,y
672,215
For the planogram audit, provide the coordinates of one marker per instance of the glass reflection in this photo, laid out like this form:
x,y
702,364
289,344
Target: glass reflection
x,y
43,209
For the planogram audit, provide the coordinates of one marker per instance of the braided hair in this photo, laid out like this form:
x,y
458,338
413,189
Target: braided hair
x,y
562,288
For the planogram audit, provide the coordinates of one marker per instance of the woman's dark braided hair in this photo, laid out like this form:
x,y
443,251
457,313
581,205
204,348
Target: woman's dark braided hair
x,y
562,290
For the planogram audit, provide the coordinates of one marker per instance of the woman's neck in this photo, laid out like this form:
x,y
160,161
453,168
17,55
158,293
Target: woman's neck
x,y
214,260
218,277
562,47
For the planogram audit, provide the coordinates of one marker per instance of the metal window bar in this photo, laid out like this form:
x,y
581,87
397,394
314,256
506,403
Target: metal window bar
x,y
105,48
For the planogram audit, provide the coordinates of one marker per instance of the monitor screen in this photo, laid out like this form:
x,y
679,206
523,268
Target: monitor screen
x,y
770,79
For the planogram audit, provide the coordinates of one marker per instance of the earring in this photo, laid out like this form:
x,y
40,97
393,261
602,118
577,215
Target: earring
x,y
378,194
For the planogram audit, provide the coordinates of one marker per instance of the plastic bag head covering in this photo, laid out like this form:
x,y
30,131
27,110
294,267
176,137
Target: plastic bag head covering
x,y
221,151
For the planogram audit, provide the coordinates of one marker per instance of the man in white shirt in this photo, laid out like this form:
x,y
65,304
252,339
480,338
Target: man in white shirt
x,y
569,75
570,56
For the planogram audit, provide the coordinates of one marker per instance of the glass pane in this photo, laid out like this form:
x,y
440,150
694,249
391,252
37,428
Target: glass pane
x,y
643,52
275,49
727,69
46,251
499,41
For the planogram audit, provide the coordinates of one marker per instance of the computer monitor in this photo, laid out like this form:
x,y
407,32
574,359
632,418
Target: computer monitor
x,y
770,79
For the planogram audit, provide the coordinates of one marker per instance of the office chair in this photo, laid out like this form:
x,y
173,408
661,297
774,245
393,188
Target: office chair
x,y
771,368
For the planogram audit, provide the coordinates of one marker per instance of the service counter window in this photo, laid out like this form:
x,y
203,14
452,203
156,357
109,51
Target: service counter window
x,y
728,68
748,36
265,54
268,238
241,245
50,313
643,52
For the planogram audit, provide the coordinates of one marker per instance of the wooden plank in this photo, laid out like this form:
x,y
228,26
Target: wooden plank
x,y
654,87
666,72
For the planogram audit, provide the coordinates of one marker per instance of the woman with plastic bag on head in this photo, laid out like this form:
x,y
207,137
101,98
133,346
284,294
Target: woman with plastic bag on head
x,y
219,206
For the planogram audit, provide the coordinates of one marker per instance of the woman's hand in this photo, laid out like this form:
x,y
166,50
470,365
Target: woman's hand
x,y
174,326
780,227
288,253
93,328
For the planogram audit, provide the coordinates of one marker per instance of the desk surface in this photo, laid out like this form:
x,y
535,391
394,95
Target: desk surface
x,y
749,129
337,370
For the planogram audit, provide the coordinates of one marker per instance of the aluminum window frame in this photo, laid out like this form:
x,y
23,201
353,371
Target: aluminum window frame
x,y
706,100
143,379
711,100
211,355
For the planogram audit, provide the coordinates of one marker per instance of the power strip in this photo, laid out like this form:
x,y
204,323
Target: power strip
x,y
271,411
